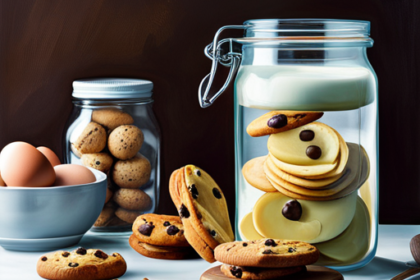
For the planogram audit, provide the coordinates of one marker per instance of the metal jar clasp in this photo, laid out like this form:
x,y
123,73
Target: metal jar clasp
x,y
230,58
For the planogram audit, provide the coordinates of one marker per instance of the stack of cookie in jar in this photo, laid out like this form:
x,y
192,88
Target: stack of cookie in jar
x,y
111,143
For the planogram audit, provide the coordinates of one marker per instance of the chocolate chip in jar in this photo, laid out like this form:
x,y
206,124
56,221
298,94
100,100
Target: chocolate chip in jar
x,y
277,121
307,135
132,173
292,210
125,141
314,152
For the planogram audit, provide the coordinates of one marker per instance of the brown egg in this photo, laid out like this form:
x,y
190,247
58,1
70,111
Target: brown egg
x,y
51,156
73,174
22,165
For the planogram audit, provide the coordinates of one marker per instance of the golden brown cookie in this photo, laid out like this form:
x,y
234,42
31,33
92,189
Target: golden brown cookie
x,y
133,199
106,215
267,253
207,206
111,118
279,121
195,240
91,264
128,216
92,139
99,161
312,272
161,252
258,273
160,230
132,173
254,174
125,141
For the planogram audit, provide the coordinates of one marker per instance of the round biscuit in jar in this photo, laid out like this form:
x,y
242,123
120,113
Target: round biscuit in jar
x,y
132,173
125,141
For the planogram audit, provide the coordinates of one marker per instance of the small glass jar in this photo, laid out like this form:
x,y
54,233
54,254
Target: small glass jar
x,y
306,134
113,129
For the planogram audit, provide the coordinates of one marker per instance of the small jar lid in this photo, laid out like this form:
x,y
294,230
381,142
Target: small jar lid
x,y
112,88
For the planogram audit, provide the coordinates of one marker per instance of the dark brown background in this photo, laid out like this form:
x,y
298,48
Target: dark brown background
x,y
45,45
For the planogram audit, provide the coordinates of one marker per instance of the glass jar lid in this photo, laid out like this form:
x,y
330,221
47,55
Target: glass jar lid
x,y
328,32
112,88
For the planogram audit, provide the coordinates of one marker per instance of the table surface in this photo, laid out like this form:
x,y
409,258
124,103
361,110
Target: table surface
x,y
391,257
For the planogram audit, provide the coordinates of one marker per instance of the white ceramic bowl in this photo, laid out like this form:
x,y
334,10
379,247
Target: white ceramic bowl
x,y
38,219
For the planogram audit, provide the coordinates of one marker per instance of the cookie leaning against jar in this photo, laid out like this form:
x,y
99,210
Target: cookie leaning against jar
x,y
202,208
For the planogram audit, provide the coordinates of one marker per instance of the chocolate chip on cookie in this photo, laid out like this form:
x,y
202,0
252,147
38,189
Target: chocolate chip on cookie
x,y
236,271
277,121
307,135
183,212
193,191
172,230
81,251
313,152
146,229
217,193
292,210
270,242
65,254
73,264
100,254
44,259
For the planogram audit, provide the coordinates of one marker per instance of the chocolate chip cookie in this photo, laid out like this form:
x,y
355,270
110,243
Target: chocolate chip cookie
x,y
255,273
160,230
279,121
161,252
203,231
271,253
87,264
207,206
